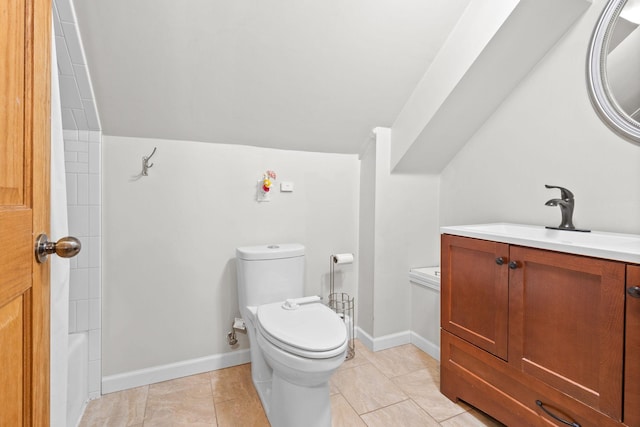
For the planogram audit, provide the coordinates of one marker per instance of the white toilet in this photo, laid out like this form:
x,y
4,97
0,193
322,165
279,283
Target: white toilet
x,y
296,343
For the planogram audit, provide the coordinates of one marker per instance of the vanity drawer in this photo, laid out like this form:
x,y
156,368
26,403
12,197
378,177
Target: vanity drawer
x,y
491,384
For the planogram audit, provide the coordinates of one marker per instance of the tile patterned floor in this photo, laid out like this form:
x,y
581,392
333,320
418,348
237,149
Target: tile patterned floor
x,y
394,387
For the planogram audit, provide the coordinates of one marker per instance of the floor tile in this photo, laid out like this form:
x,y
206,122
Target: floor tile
x,y
184,401
366,389
176,423
393,387
406,414
180,384
423,387
241,413
232,383
361,356
108,422
402,360
471,419
123,408
342,414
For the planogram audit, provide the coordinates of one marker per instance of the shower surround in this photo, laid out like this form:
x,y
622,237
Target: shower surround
x,y
82,140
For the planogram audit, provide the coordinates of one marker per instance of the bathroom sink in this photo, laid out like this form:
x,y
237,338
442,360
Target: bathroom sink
x,y
616,246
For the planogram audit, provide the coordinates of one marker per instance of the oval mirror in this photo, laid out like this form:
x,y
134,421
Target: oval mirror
x,y
613,68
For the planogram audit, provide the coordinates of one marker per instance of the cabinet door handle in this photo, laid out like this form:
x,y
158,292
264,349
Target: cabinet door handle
x,y
500,260
634,291
513,265
554,416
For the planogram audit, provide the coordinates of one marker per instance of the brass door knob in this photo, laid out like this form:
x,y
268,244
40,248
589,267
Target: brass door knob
x,y
67,247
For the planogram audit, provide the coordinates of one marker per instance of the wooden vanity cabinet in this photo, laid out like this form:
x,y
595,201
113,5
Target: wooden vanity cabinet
x,y
476,294
566,320
564,329
632,350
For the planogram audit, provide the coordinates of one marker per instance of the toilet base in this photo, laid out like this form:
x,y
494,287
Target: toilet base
x,y
292,405
294,391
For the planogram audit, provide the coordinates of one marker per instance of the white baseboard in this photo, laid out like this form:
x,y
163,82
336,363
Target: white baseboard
x,y
425,345
171,371
384,342
364,338
399,338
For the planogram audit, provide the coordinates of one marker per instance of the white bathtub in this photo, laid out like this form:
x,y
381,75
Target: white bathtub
x,y
425,309
77,377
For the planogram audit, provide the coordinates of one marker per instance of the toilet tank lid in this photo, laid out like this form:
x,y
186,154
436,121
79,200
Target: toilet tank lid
x,y
275,251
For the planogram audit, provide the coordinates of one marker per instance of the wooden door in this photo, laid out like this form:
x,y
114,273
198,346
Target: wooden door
x,y
566,324
632,351
474,292
24,211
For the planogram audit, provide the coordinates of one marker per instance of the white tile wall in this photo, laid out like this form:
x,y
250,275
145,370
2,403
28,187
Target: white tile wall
x,y
82,162
82,140
78,106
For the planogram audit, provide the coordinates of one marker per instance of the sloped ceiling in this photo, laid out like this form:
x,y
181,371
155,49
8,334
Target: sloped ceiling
x,y
289,74
493,47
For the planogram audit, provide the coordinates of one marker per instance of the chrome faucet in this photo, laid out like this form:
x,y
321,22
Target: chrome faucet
x,y
566,203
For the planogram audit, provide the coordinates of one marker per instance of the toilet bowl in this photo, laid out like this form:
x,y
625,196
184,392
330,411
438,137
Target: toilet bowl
x,y
307,343
303,354
296,343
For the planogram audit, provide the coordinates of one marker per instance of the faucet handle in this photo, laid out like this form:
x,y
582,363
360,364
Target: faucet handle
x,y
564,193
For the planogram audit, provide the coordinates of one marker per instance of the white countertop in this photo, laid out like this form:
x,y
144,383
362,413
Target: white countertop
x,y
615,246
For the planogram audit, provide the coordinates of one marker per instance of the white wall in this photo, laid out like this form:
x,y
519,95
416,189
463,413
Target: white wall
x,y
546,132
169,282
399,231
366,243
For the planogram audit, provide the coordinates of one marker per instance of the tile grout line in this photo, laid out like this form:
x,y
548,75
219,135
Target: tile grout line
x,y
146,404
213,398
383,407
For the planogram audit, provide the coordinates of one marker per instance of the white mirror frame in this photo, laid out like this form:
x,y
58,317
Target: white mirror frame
x,y
599,91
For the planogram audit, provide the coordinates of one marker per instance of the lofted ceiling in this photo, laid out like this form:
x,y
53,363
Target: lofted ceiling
x,y
290,74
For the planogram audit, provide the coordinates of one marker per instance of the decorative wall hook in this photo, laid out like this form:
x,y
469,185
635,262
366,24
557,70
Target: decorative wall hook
x,y
145,162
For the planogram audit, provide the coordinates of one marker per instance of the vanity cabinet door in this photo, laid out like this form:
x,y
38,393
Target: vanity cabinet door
x,y
632,351
474,293
566,323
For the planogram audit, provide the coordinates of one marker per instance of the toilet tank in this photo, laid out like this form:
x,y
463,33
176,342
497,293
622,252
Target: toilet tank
x,y
269,273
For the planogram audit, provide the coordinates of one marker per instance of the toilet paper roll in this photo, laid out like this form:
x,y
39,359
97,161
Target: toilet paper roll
x,y
343,258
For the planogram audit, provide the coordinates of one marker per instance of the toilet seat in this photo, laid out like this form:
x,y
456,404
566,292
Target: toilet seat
x,y
312,330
